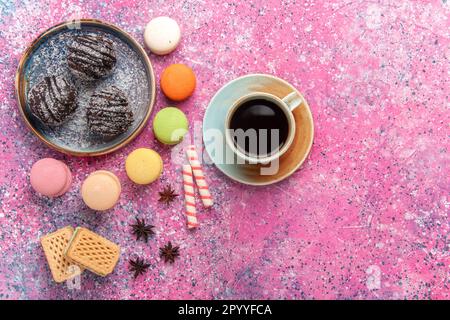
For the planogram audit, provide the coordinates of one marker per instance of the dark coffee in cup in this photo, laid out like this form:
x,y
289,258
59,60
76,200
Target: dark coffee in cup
x,y
260,127
263,118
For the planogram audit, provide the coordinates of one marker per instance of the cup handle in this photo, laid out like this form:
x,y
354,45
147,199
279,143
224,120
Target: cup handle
x,y
293,100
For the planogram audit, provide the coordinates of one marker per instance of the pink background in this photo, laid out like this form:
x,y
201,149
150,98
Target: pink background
x,y
366,217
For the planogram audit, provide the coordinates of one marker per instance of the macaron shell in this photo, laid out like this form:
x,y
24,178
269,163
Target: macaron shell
x,y
178,82
170,125
101,190
162,35
69,180
143,166
48,177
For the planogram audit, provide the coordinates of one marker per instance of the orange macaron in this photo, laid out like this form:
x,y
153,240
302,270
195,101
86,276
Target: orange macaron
x,y
178,82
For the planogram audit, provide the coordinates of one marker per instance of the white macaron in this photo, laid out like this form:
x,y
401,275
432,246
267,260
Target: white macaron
x,y
162,35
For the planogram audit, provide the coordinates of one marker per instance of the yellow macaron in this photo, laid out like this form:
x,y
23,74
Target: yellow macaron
x,y
143,166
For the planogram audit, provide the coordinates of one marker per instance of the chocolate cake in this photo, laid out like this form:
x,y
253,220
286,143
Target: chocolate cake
x,y
52,100
108,113
91,57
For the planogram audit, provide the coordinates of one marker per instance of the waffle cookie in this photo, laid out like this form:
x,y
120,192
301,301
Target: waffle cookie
x,y
93,252
54,245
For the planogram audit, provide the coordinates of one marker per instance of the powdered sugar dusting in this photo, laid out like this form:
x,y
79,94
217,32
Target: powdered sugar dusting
x,y
129,74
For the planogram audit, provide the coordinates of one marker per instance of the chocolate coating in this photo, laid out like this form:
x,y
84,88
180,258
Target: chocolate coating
x,y
108,113
91,57
52,100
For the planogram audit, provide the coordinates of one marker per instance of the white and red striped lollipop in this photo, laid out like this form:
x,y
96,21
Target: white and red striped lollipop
x,y
189,197
199,176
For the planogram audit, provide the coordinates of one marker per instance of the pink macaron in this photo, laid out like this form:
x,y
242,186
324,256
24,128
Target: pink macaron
x,y
50,177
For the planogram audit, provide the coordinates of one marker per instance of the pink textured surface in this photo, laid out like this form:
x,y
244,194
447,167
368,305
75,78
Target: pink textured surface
x,y
365,217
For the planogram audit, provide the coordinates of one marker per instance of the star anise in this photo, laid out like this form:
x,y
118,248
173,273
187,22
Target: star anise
x,y
141,230
169,253
138,266
167,195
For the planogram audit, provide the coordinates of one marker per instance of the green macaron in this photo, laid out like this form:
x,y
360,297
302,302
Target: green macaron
x,y
170,125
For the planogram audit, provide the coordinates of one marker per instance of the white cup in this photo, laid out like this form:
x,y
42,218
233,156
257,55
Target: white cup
x,y
286,104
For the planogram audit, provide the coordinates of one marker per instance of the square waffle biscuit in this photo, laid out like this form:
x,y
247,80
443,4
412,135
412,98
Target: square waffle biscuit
x,y
54,245
92,252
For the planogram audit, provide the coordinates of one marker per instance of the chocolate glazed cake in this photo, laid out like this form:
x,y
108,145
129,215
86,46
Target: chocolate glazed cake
x,y
108,113
52,100
91,57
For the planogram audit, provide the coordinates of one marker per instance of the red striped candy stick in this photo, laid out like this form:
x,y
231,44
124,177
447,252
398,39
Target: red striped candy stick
x,y
199,177
189,197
